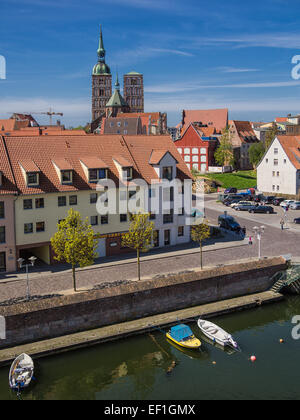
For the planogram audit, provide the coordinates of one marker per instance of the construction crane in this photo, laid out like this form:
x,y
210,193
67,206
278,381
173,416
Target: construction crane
x,y
50,113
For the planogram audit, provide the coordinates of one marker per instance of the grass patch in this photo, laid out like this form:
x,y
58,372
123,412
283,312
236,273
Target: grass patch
x,y
241,180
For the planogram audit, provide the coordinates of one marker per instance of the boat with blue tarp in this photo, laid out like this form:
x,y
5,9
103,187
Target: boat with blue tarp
x,y
183,336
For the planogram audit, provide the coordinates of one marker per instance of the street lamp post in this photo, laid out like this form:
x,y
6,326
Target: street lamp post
x,y
259,231
22,265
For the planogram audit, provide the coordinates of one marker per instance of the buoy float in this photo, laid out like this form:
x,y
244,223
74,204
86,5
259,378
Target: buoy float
x,y
281,341
253,359
214,363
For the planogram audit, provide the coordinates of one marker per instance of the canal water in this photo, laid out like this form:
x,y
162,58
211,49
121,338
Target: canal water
x,y
135,368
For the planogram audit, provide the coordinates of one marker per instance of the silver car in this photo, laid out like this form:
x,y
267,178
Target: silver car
x,y
295,205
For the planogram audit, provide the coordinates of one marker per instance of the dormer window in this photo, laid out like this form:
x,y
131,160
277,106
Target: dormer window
x,y
32,179
127,174
168,173
64,171
96,175
66,177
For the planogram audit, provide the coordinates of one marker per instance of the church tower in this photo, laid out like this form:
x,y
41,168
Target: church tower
x,y
101,82
134,91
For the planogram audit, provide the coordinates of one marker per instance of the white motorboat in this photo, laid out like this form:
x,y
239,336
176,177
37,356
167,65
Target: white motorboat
x,y
21,372
216,334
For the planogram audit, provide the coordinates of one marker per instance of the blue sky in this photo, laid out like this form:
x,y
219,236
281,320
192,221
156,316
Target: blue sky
x,y
194,54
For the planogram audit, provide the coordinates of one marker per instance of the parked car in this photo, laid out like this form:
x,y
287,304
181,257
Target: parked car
x,y
287,203
278,200
268,199
297,221
258,198
233,205
295,205
262,209
228,203
244,206
228,223
230,191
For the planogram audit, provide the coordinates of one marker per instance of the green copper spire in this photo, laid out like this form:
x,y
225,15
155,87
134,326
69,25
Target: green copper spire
x,y
101,50
117,84
101,67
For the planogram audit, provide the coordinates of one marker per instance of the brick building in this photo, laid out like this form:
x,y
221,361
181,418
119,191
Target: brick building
x,y
197,147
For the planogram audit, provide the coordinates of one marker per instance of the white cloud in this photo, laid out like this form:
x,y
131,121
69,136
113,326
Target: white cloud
x,y
192,86
235,70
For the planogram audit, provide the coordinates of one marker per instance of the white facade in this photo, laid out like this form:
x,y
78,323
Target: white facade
x,y
276,173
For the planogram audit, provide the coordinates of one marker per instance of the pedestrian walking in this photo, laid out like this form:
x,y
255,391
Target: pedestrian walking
x,y
250,240
282,224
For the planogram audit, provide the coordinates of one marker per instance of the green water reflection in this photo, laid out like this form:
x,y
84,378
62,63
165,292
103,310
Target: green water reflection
x,y
136,368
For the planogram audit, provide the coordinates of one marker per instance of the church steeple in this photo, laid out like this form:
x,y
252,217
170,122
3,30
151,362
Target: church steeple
x,y
117,84
101,50
101,67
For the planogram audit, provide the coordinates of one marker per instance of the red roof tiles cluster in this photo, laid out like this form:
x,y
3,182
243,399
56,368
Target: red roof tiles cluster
x,y
291,146
40,153
217,118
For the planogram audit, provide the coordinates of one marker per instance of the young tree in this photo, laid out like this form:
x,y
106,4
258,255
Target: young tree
x,y
224,155
199,233
140,236
74,242
256,153
271,134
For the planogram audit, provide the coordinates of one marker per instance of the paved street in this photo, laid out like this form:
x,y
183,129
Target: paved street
x,y
274,242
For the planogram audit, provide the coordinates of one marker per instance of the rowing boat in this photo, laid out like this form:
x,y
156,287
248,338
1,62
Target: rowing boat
x,y
21,372
216,334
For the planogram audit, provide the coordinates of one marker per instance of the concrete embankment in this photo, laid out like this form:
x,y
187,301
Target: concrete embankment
x,y
126,329
61,316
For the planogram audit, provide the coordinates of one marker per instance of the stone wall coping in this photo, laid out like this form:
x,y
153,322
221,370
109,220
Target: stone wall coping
x,y
142,286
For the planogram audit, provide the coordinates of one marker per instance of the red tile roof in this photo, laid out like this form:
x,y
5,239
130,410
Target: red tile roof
x,y
93,163
142,148
29,166
7,125
217,118
122,162
63,164
156,156
281,119
291,146
8,184
245,131
39,153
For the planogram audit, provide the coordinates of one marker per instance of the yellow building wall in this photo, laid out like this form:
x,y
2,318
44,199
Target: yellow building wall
x,y
51,214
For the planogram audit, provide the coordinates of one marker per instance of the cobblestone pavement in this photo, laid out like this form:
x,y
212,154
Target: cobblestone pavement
x,y
275,242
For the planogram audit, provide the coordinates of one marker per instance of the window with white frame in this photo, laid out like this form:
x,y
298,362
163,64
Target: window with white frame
x,y
195,158
195,151
203,159
187,150
187,158
203,151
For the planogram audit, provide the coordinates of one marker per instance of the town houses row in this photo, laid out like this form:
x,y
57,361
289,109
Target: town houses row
x,y
42,177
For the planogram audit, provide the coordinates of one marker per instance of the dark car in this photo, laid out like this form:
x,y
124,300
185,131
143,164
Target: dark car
x,y
230,198
268,200
230,191
297,221
262,209
278,200
258,198
244,207
228,223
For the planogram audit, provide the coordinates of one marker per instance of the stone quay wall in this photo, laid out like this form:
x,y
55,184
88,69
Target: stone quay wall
x,y
49,318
